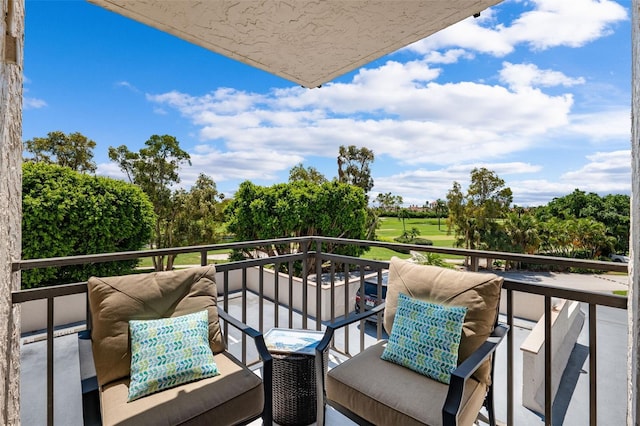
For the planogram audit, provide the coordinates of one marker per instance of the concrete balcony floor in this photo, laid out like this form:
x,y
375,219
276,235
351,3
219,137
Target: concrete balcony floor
x,y
571,406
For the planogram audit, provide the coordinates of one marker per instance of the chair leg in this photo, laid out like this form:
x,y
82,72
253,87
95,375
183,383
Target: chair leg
x,y
488,403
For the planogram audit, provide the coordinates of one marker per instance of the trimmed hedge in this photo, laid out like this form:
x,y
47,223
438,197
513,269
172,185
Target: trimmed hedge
x,y
414,240
66,213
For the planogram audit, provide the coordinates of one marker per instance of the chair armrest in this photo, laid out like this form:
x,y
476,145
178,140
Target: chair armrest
x,y
267,361
331,328
467,368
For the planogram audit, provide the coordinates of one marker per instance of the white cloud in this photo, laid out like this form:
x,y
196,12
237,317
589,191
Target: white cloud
x,y
535,192
448,57
33,103
605,173
518,76
240,165
127,85
602,125
468,34
111,170
550,23
571,23
29,102
388,109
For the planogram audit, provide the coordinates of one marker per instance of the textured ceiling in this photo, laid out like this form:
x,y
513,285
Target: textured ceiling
x,y
308,42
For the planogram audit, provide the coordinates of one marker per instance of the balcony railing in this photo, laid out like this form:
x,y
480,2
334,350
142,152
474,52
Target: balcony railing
x,y
301,303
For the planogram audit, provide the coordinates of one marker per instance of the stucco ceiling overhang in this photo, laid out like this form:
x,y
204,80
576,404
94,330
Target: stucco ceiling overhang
x,y
307,42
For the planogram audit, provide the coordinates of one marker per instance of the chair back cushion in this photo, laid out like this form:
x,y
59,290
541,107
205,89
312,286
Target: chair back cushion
x,y
478,292
114,301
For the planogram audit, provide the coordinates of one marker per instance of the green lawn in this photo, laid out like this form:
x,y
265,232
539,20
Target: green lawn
x,y
185,259
391,227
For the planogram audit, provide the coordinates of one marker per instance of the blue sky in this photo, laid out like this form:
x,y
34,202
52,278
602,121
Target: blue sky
x,y
536,90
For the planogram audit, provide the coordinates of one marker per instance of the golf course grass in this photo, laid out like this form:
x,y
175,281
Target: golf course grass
x,y
392,227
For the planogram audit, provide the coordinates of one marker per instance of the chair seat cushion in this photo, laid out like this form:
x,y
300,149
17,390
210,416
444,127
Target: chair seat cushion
x,y
384,393
229,398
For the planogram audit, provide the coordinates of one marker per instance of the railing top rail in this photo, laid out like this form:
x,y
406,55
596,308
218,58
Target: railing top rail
x,y
579,295
130,255
21,296
22,264
515,257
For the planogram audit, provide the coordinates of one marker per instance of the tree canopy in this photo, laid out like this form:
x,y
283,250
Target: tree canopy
x,y
473,215
354,166
198,214
612,210
310,174
301,208
73,150
66,213
155,169
388,201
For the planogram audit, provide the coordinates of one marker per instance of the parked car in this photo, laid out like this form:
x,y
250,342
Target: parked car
x,y
371,296
619,258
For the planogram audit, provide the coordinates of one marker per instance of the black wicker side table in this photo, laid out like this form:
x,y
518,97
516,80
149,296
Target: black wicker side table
x,y
295,395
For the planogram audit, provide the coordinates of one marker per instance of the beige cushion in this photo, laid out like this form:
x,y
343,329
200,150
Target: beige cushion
x,y
478,292
114,301
230,398
387,394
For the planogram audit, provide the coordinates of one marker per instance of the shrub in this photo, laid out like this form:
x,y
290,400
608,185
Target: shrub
x,y
433,259
66,213
414,240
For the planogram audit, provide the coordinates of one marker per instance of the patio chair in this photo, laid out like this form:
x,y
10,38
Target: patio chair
x,y
136,323
372,390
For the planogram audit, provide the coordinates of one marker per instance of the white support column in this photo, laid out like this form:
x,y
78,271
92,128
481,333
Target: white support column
x,y
633,372
11,62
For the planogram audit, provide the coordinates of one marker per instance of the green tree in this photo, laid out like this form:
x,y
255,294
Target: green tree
x,y
612,210
310,174
155,169
74,150
198,215
583,238
441,210
296,209
67,213
388,202
578,204
590,238
473,215
616,216
403,215
354,166
523,233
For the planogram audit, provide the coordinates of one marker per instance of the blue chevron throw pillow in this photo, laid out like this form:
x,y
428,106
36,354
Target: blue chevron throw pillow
x,y
169,352
425,337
